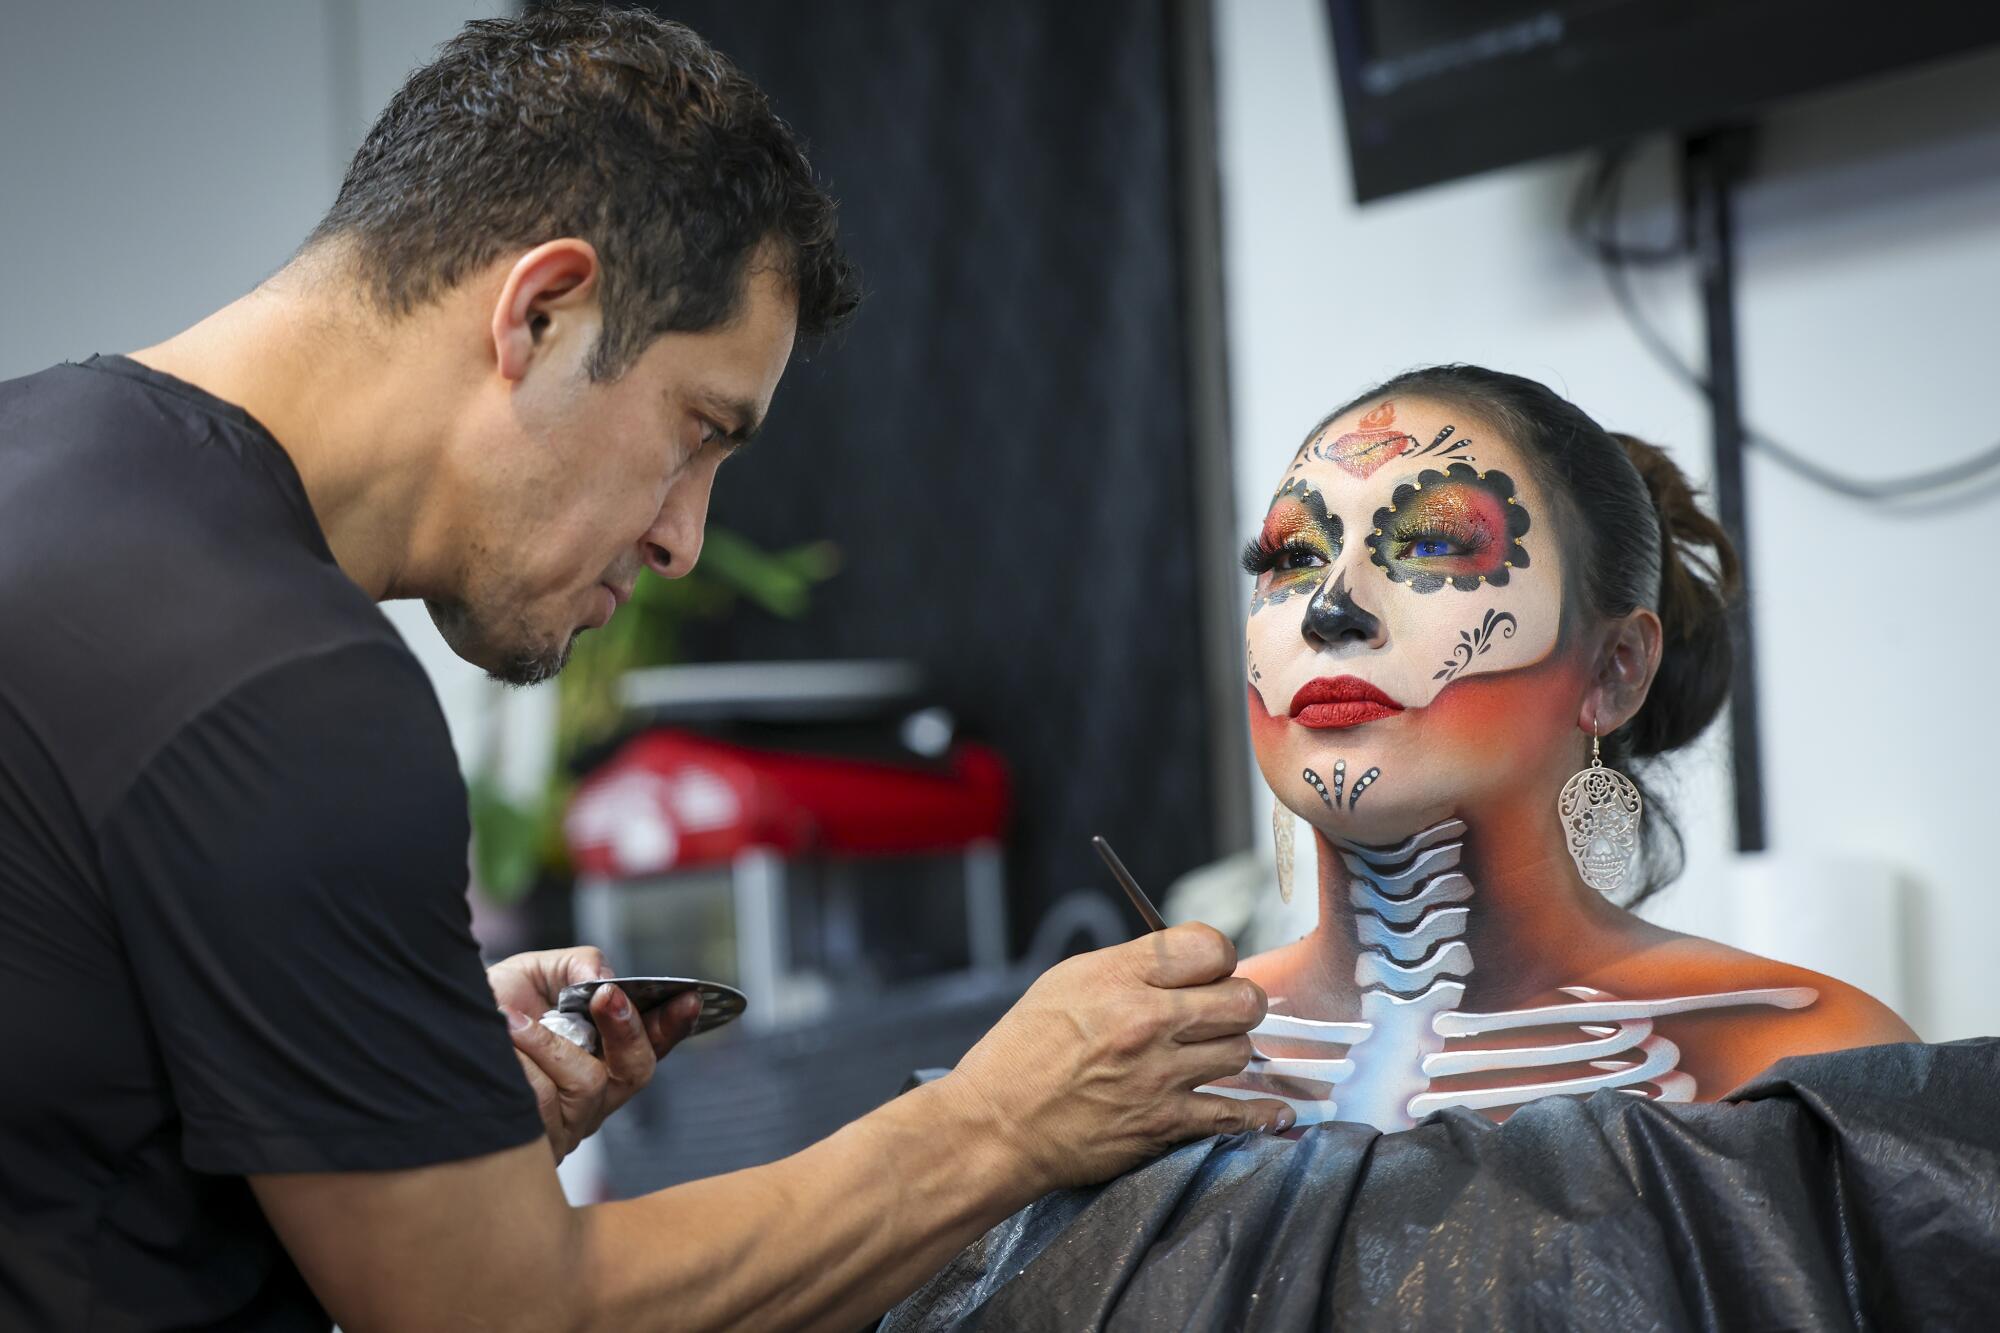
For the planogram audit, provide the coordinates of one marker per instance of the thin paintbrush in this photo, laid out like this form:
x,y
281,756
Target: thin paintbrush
x,y
1140,902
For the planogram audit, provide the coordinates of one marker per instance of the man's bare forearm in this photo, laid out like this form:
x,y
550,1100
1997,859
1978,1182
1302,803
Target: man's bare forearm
x,y
1089,1073
826,1239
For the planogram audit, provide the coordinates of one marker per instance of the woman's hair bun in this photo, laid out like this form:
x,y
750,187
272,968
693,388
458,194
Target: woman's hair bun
x,y
1700,578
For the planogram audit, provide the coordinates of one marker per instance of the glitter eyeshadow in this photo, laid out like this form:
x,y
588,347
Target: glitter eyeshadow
x,y
1466,516
1475,511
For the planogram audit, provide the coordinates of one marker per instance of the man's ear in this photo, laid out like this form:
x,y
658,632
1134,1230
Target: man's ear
x,y
1626,663
549,295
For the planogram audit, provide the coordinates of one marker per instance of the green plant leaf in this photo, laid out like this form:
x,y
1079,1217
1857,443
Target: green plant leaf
x,y
506,849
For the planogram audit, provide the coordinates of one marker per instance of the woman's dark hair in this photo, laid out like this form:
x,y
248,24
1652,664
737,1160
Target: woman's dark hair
x,y
1635,537
612,125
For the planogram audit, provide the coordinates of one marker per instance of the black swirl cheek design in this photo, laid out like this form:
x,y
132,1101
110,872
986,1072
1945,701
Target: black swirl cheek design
x,y
1474,642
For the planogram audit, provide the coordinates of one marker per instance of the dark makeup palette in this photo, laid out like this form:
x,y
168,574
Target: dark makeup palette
x,y
719,1003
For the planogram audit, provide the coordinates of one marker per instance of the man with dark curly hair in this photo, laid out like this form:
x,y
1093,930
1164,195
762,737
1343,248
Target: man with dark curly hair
x,y
559,286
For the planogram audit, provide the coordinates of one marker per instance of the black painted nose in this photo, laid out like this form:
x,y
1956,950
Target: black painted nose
x,y
1333,618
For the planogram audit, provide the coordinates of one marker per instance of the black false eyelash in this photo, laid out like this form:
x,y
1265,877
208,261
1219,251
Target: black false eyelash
x,y
1257,557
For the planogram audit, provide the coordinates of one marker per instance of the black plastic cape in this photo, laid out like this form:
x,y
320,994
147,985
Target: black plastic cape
x,y
1859,1189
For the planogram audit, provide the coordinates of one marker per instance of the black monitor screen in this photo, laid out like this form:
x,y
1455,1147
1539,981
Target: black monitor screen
x,y
1438,89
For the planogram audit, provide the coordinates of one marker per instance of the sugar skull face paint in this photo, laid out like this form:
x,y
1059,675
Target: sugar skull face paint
x,y
1383,581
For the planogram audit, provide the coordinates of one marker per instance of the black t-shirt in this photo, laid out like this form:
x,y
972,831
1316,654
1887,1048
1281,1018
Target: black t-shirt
x,y
233,928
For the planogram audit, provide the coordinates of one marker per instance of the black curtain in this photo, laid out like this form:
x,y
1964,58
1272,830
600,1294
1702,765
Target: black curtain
x,y
1001,446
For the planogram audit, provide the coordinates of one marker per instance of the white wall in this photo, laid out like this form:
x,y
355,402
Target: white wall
x,y
159,160
1869,267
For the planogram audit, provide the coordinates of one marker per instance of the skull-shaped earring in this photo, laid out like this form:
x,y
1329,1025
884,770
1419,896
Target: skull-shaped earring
x,y
1600,809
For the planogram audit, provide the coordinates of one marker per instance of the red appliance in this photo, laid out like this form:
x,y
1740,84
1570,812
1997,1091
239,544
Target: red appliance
x,y
674,806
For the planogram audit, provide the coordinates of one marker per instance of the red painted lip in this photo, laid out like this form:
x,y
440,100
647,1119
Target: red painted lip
x,y
1340,701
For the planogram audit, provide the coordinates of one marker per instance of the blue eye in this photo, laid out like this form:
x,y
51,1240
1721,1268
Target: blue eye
x,y
1430,546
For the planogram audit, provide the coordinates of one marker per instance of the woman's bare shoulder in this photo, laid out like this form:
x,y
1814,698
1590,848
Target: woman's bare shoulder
x,y
1725,1046
1292,975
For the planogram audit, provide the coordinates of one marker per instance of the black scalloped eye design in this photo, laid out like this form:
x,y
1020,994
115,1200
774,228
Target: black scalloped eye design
x,y
1330,527
1497,484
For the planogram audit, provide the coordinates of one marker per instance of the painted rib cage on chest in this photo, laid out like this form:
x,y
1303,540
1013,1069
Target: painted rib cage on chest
x,y
1412,903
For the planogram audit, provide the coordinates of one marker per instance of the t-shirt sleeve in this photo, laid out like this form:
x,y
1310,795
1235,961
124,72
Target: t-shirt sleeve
x,y
288,875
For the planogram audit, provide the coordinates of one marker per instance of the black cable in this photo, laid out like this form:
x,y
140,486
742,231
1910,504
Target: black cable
x,y
1600,197
1595,212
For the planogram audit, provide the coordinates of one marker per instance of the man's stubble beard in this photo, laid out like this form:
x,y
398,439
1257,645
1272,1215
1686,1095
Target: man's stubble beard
x,y
521,661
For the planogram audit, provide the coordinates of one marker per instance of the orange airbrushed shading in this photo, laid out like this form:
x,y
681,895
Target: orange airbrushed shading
x,y
1374,441
1263,726
1496,712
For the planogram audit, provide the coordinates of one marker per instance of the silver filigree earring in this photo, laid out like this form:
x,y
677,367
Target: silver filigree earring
x,y
1600,810
1281,836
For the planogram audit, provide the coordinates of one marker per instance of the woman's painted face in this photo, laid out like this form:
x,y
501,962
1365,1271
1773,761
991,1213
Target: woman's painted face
x,y
1406,561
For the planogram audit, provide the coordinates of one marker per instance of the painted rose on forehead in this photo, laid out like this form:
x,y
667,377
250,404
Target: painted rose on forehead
x,y
1375,440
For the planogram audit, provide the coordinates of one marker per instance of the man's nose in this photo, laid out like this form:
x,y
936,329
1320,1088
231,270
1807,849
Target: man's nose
x,y
1334,618
673,544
